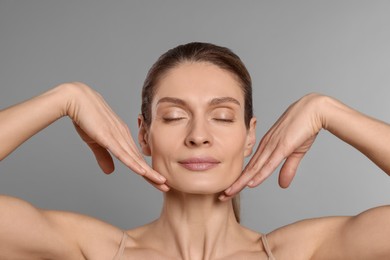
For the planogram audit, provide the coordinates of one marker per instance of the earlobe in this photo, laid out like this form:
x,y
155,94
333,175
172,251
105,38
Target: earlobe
x,y
143,136
251,137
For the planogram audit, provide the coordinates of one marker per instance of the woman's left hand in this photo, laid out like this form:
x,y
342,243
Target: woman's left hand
x,y
288,140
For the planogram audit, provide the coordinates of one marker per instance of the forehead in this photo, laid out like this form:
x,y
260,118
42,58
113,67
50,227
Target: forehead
x,y
199,80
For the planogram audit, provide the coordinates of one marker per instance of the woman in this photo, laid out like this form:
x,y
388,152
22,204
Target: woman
x,y
197,125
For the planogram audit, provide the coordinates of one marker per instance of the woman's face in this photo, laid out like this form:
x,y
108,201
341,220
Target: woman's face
x,y
197,137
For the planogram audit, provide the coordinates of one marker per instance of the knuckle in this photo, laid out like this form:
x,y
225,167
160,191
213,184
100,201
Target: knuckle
x,y
256,167
257,179
286,146
104,139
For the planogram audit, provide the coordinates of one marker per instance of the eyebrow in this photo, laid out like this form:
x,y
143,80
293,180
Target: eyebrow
x,y
176,101
213,102
221,100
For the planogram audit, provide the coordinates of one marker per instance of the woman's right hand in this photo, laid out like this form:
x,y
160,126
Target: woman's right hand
x,y
96,123
105,133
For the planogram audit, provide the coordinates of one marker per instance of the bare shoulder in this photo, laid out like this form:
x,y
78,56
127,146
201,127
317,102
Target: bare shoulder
x,y
302,239
33,233
364,236
96,238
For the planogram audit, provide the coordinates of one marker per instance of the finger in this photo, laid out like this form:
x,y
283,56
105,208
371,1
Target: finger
x,y
162,187
129,155
264,150
242,181
289,169
124,132
137,164
127,143
261,155
268,168
131,161
132,158
147,171
116,139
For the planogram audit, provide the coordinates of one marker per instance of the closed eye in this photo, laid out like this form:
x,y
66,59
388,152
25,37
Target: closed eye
x,y
224,120
173,119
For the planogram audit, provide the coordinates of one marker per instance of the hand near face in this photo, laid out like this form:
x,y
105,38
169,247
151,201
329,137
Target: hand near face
x,y
106,133
288,140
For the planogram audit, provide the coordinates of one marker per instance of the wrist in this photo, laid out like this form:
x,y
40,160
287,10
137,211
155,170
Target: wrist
x,y
330,110
66,95
318,106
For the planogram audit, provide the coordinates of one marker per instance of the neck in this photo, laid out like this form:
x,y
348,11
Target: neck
x,y
197,224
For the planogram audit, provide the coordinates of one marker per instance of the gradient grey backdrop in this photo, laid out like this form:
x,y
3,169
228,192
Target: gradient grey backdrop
x,y
340,48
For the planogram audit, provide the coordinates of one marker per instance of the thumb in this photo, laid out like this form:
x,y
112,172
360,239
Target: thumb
x,y
103,157
289,169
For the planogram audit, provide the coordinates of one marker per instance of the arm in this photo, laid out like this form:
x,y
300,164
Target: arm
x,y
30,233
369,135
20,122
365,236
27,232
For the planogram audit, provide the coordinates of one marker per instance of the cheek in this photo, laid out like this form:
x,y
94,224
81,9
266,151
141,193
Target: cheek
x,y
159,146
163,146
236,161
232,142
161,137
233,150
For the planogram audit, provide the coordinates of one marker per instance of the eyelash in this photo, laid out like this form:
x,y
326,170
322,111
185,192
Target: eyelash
x,y
173,119
224,120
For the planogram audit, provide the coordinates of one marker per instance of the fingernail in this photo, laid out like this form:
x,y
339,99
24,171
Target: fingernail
x,y
162,178
228,190
251,183
222,197
165,188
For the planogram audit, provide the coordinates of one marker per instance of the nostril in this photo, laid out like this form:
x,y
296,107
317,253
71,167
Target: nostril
x,y
195,143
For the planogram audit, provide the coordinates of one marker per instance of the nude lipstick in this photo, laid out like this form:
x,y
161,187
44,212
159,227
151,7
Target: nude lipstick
x,y
199,163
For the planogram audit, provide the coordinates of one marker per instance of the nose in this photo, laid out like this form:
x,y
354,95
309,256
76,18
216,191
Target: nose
x,y
198,135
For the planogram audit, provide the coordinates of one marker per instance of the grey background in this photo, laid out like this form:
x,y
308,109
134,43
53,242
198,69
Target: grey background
x,y
339,48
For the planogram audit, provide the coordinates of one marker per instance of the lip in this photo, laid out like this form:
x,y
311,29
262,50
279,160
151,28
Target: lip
x,y
199,163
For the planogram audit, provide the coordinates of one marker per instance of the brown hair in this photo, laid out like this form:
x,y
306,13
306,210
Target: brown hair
x,y
222,57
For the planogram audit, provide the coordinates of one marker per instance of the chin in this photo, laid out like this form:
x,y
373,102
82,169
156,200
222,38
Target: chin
x,y
199,185
211,181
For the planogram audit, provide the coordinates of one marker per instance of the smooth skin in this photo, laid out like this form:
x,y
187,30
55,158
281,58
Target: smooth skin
x,y
30,233
196,109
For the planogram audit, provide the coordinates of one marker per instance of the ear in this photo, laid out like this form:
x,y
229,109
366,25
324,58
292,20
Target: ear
x,y
143,136
251,137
